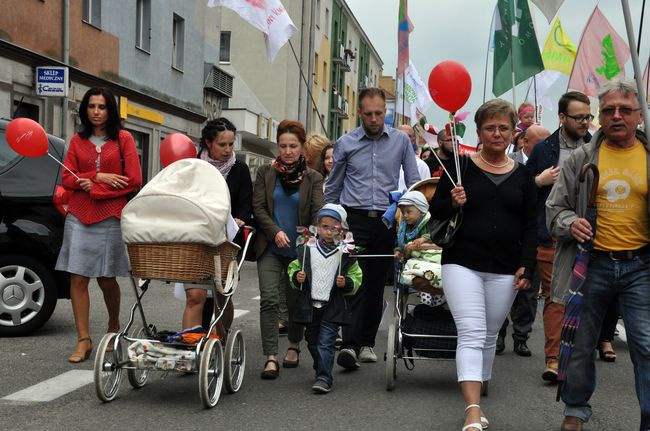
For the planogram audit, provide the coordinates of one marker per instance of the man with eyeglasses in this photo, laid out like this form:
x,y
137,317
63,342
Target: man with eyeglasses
x,y
544,165
619,262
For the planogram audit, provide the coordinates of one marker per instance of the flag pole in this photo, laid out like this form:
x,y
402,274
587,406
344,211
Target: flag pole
x,y
512,53
487,52
535,93
643,101
638,45
403,96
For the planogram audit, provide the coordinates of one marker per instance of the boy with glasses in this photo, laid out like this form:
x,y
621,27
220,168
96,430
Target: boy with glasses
x,y
325,275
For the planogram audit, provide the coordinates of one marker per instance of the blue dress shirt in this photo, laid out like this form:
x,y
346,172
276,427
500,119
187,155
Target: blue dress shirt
x,y
366,170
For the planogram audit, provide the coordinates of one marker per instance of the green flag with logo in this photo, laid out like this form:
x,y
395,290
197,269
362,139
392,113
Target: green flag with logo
x,y
515,42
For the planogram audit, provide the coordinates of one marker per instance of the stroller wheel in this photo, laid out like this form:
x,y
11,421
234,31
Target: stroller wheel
x,y
391,359
107,369
235,361
211,373
137,378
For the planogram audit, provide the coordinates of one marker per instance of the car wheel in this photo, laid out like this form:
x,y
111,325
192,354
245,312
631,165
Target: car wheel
x,y
27,295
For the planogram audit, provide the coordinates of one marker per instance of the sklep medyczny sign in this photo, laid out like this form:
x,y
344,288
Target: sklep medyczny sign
x,y
52,81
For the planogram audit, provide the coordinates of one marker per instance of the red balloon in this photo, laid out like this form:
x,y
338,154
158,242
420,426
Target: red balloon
x,y
450,85
27,137
176,147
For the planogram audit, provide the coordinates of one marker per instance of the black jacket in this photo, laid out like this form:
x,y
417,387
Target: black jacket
x,y
545,155
337,310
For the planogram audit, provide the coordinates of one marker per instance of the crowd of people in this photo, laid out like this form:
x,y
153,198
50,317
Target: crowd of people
x,y
523,197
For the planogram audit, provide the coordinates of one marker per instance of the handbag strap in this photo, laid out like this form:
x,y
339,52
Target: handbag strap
x,y
119,146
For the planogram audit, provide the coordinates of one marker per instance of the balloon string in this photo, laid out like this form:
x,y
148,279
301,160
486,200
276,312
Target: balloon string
x,y
66,168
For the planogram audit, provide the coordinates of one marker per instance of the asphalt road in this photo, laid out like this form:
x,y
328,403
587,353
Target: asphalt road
x,y
425,398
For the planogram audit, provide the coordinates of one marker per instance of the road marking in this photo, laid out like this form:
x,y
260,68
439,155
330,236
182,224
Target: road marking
x,y
53,388
621,332
256,298
239,313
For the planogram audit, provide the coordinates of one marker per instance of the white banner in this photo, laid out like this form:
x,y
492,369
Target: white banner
x,y
268,16
412,95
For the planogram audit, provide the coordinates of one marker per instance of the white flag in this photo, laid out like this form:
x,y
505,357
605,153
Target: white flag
x,y
268,16
548,7
539,86
412,95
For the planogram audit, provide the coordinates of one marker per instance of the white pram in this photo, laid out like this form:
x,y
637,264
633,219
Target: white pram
x,y
175,231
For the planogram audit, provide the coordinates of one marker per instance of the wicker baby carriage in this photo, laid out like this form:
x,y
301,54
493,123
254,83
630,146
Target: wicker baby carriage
x,y
175,231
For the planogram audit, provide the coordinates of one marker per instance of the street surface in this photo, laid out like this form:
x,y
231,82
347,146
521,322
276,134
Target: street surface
x,y
426,398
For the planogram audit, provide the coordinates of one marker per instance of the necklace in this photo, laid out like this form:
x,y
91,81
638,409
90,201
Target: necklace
x,y
502,165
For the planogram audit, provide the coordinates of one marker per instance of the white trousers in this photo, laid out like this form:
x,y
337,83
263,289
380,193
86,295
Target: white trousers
x,y
479,302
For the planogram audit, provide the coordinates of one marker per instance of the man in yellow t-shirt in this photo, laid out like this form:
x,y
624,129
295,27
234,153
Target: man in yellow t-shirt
x,y
619,264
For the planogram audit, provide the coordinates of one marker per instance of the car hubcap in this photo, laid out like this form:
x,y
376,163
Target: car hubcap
x,y
22,295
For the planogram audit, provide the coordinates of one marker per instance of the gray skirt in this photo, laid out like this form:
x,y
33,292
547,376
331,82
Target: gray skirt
x,y
95,250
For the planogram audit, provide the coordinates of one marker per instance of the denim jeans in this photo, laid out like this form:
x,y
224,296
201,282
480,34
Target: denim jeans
x,y
606,278
321,341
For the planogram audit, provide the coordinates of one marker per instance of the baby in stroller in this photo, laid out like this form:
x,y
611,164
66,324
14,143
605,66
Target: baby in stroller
x,y
422,266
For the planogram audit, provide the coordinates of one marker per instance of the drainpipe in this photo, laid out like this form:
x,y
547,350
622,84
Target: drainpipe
x,y
310,67
66,61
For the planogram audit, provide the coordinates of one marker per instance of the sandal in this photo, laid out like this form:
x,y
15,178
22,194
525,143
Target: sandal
x,y
271,374
291,364
606,355
484,424
80,355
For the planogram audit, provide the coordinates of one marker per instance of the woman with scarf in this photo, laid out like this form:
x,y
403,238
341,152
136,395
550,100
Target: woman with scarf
x,y
217,147
287,194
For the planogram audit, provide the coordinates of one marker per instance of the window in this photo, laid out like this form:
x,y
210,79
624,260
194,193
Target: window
x,y
178,39
224,47
327,17
324,75
143,25
26,110
317,14
92,12
316,68
141,140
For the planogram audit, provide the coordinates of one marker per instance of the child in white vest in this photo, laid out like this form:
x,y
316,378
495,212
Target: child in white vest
x,y
325,278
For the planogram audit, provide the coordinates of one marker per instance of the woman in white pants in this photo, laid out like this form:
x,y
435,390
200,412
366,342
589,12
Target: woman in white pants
x,y
493,254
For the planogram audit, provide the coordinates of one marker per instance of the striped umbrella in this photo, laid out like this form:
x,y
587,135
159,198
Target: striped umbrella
x,y
573,307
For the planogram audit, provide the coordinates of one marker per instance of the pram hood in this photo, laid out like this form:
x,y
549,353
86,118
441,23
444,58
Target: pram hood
x,y
187,202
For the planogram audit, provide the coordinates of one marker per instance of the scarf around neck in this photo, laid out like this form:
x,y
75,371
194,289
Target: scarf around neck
x,y
404,238
223,166
290,175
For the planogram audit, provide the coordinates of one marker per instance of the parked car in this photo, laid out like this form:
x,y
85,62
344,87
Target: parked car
x,y
33,205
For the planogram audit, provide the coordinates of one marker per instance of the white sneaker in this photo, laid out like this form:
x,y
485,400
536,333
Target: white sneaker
x,y
367,354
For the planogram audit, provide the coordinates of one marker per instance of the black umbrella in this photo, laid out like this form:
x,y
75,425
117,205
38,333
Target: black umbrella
x,y
573,307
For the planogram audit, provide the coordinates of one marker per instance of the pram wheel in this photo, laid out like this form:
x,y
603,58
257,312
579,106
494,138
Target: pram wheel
x,y
211,373
137,378
107,369
235,361
391,358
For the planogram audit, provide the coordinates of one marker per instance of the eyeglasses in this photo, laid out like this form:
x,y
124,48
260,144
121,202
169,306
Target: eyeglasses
x,y
625,112
501,129
581,118
329,228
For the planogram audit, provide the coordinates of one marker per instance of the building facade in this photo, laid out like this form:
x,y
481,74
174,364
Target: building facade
x,y
175,64
158,57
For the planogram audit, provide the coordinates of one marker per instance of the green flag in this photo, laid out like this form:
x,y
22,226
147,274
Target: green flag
x,y
512,20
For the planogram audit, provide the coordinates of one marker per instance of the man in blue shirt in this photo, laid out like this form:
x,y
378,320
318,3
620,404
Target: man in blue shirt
x,y
367,164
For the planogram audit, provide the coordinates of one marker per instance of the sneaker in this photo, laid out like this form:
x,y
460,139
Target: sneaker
x,y
550,372
321,387
348,359
367,354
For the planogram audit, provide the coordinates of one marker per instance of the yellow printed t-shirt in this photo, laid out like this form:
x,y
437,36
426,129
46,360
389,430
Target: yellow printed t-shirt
x,y
622,201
